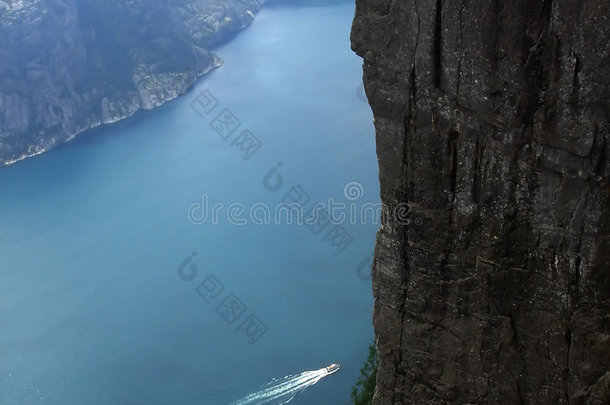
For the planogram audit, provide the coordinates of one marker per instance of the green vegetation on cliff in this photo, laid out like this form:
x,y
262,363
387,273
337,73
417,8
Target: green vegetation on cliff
x,y
363,391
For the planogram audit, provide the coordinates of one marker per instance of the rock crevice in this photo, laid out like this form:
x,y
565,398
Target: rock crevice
x,y
492,123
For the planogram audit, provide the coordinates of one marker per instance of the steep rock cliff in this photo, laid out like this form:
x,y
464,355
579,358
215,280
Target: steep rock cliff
x,y
69,65
492,123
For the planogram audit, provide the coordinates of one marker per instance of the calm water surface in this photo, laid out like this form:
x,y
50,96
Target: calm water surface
x,y
92,310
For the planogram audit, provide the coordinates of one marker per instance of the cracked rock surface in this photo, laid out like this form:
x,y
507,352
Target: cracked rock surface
x,y
492,123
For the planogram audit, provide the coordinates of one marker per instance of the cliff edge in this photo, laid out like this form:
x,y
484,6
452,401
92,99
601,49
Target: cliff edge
x,y
492,123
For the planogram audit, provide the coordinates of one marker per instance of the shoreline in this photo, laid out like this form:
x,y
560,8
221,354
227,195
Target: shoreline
x,y
54,142
170,86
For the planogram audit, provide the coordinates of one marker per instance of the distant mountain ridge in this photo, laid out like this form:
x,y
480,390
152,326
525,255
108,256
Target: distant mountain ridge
x,y
70,65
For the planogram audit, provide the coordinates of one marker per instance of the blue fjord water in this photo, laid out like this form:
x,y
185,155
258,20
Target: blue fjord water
x,y
92,309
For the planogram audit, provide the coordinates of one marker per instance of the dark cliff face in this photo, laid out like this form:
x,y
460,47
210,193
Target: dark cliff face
x,y
492,123
66,66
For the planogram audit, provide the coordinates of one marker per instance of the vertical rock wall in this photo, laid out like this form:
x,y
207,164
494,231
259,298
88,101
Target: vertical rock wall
x,y
492,123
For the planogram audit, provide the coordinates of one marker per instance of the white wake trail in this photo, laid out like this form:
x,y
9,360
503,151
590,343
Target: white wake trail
x,y
283,390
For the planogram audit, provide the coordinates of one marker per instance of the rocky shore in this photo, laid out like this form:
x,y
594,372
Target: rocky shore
x,y
68,66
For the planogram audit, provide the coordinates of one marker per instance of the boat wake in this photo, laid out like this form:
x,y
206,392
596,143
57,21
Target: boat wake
x,y
283,390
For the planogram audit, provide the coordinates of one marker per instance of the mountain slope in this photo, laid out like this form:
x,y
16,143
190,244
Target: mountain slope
x,y
69,65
